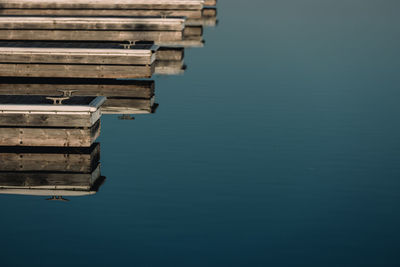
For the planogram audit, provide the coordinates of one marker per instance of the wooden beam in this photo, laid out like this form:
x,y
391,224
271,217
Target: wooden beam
x,y
84,35
189,14
82,87
103,4
77,56
59,137
92,23
77,71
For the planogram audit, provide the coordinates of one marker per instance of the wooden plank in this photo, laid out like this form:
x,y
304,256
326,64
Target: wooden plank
x,y
128,106
103,4
210,2
84,35
189,14
209,12
170,53
193,31
76,71
70,137
170,67
75,105
25,159
48,120
189,41
76,56
82,87
92,23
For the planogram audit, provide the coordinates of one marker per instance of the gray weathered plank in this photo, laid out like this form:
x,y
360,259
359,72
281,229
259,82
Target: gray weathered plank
x,y
92,23
82,87
84,35
103,4
76,71
189,14
170,67
71,137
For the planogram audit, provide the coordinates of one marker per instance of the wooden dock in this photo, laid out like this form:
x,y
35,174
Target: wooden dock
x,y
208,18
49,121
91,29
50,171
76,61
123,96
181,8
80,87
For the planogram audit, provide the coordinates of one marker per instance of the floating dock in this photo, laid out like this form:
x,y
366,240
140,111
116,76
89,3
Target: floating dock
x,y
76,61
50,171
91,29
123,96
180,8
59,121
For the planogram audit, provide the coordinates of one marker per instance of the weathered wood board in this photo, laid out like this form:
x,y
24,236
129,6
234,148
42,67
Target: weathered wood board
x,y
193,31
170,67
104,4
91,29
35,55
210,2
92,23
170,54
70,60
81,87
49,159
77,71
59,137
128,106
189,14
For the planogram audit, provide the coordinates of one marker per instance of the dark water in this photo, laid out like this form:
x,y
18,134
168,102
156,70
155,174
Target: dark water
x,y
278,147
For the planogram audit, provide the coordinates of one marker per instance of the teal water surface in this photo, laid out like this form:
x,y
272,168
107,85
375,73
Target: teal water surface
x,y
279,146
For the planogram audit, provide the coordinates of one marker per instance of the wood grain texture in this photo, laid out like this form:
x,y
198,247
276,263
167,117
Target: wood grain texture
x,y
170,53
76,56
128,106
103,4
189,14
76,71
84,35
70,137
92,23
170,67
83,87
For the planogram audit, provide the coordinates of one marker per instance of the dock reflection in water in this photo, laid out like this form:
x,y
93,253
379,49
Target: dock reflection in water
x,y
50,171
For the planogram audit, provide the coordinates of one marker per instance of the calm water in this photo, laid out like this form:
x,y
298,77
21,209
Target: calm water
x,y
278,147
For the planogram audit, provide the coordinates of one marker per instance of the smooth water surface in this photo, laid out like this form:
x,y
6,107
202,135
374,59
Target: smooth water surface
x,y
278,147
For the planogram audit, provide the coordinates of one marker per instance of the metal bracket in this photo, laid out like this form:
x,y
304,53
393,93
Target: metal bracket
x,y
58,100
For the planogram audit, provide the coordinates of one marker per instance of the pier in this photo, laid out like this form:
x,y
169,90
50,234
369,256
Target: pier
x,y
66,60
49,121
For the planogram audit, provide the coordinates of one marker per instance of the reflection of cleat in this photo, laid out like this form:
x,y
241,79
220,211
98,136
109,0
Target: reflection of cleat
x,y
67,92
126,117
57,198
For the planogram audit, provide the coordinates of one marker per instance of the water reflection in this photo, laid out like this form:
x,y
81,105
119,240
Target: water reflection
x,y
50,171
64,66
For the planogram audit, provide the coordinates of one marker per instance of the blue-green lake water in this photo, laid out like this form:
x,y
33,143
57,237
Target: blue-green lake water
x,y
279,146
